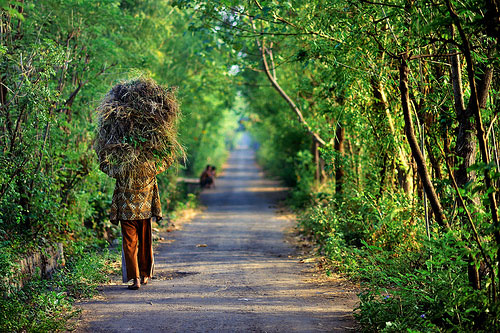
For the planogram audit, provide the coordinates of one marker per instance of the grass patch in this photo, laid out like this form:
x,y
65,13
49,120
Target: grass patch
x,y
47,305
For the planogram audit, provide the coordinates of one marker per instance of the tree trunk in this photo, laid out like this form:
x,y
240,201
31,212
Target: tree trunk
x,y
382,175
466,144
317,163
3,101
339,163
477,100
415,149
465,147
435,162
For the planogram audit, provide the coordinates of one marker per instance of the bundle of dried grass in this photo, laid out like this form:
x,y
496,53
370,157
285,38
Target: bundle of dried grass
x,y
136,134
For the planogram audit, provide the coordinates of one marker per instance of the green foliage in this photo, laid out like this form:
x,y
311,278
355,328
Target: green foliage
x,y
282,149
338,62
408,282
362,236
434,297
8,267
210,143
177,198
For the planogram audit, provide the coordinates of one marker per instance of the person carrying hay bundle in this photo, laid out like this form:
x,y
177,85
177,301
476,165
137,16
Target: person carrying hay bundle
x,y
137,140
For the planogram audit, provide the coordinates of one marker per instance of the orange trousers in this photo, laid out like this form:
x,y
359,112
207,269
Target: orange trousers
x,y
137,249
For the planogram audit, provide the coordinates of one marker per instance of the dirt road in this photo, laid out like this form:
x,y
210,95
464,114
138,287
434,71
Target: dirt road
x,y
229,270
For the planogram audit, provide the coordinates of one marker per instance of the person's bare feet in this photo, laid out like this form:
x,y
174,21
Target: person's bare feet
x,y
144,280
135,285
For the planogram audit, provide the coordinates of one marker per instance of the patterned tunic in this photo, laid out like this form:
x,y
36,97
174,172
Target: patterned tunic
x,y
135,199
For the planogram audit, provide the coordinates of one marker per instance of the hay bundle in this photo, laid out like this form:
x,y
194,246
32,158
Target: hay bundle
x,y
136,134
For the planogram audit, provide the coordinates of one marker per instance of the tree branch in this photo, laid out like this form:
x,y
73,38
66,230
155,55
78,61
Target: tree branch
x,y
283,94
382,4
420,56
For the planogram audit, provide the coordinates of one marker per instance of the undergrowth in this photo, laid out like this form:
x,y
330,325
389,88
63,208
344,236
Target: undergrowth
x,y
409,283
47,305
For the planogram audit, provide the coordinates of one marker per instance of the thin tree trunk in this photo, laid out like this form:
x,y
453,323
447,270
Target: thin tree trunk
x,y
415,149
3,100
382,175
339,164
317,164
465,147
436,166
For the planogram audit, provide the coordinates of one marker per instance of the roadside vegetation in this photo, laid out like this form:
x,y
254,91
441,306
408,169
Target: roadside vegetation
x,y
46,305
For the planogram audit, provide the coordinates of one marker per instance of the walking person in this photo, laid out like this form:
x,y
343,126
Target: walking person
x,y
136,140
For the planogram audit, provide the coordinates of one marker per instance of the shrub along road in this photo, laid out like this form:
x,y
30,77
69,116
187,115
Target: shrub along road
x,y
230,269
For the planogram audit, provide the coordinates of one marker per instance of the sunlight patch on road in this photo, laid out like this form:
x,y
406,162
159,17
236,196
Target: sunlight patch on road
x,y
266,189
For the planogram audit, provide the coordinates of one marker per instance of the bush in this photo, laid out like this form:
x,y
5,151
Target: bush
x,y
409,283
434,297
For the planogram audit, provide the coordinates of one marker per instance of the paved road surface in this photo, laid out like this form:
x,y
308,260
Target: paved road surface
x,y
246,279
